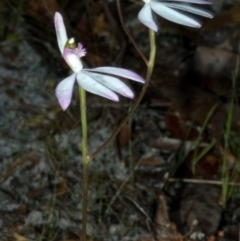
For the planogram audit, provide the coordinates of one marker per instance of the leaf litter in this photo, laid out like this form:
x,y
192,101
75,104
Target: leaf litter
x,y
130,197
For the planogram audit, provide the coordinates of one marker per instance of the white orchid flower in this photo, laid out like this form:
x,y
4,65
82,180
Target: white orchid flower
x,y
99,81
166,10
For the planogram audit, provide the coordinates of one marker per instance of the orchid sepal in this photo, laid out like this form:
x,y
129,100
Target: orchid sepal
x,y
60,31
167,10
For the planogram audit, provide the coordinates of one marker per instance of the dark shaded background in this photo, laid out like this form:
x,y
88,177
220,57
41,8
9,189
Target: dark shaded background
x,y
40,154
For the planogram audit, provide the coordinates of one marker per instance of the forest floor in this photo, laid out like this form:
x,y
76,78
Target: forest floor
x,y
172,172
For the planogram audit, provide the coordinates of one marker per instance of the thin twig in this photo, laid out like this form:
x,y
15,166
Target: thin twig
x,y
139,208
128,34
136,104
122,186
210,182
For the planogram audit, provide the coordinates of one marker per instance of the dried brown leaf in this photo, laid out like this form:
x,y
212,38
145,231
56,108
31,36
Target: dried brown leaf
x,y
19,237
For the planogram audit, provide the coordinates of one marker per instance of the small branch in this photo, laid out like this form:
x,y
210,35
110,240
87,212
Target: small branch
x,y
128,34
210,182
150,65
113,199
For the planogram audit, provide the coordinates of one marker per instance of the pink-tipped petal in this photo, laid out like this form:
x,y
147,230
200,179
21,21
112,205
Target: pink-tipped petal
x,y
64,91
145,17
112,83
190,9
173,15
60,31
72,60
118,72
91,85
192,1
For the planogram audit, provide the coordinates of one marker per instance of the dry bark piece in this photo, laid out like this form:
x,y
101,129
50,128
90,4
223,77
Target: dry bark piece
x,y
198,202
152,159
164,229
177,125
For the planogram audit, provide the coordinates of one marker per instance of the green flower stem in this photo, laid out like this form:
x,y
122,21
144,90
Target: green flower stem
x,y
83,107
150,66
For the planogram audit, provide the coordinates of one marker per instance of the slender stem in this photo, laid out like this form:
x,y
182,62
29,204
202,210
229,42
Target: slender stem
x,y
150,65
128,34
82,94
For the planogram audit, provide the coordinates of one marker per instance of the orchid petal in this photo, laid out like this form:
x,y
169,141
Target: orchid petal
x,y
173,15
118,72
192,1
190,9
60,31
72,60
145,17
64,91
91,85
112,83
